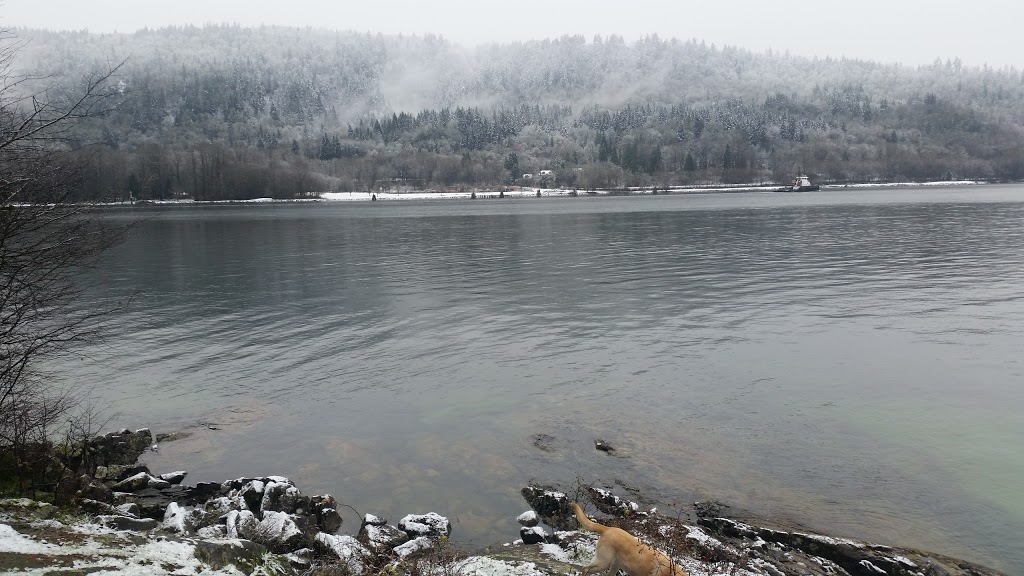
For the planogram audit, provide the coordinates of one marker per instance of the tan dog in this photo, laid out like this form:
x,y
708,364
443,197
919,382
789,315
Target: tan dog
x,y
618,550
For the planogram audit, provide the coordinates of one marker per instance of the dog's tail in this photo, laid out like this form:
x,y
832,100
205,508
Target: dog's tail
x,y
587,523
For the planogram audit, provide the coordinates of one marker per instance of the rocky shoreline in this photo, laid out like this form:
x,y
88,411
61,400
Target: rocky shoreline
x,y
128,520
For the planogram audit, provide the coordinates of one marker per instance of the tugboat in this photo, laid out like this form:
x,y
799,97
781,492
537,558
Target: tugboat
x,y
801,184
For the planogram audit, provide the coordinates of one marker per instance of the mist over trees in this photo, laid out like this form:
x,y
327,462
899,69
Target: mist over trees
x,y
224,112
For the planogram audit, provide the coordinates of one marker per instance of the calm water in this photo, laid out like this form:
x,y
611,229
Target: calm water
x,y
850,361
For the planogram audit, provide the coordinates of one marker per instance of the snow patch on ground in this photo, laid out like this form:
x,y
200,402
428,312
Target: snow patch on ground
x,y
12,541
484,566
154,557
695,533
829,539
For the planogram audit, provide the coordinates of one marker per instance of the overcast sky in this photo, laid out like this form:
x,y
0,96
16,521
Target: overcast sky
x,y
911,32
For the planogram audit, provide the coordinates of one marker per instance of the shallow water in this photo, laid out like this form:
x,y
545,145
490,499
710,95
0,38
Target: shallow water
x,y
845,360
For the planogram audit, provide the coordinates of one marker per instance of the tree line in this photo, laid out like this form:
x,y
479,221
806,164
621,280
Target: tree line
x,y
223,112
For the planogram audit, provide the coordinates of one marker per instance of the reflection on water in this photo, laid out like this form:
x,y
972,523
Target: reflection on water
x,y
844,360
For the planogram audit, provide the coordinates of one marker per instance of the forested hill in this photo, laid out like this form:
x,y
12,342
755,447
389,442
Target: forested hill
x,y
224,112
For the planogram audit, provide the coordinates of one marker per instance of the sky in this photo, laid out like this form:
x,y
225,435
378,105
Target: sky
x,y
910,32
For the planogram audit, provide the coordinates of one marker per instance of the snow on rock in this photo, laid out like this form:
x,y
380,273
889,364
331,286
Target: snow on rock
x,y
383,537
532,535
279,527
173,477
905,561
346,548
484,566
611,504
128,509
413,546
829,539
217,508
429,524
325,509
374,520
215,531
138,482
283,497
252,493
696,533
528,518
871,567
556,552
552,506
239,523
178,519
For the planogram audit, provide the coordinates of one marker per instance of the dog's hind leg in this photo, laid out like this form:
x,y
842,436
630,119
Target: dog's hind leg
x,y
604,557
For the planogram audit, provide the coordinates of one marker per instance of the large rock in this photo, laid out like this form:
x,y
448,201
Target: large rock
x,y
554,507
175,477
282,532
93,489
325,509
118,472
533,535
129,509
118,522
121,447
238,483
180,519
528,519
379,535
345,548
611,504
301,559
97,507
25,507
281,497
215,510
252,493
414,547
203,491
153,503
244,555
140,481
430,524
240,524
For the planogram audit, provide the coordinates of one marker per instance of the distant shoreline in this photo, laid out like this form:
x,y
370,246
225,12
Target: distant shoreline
x,y
528,192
